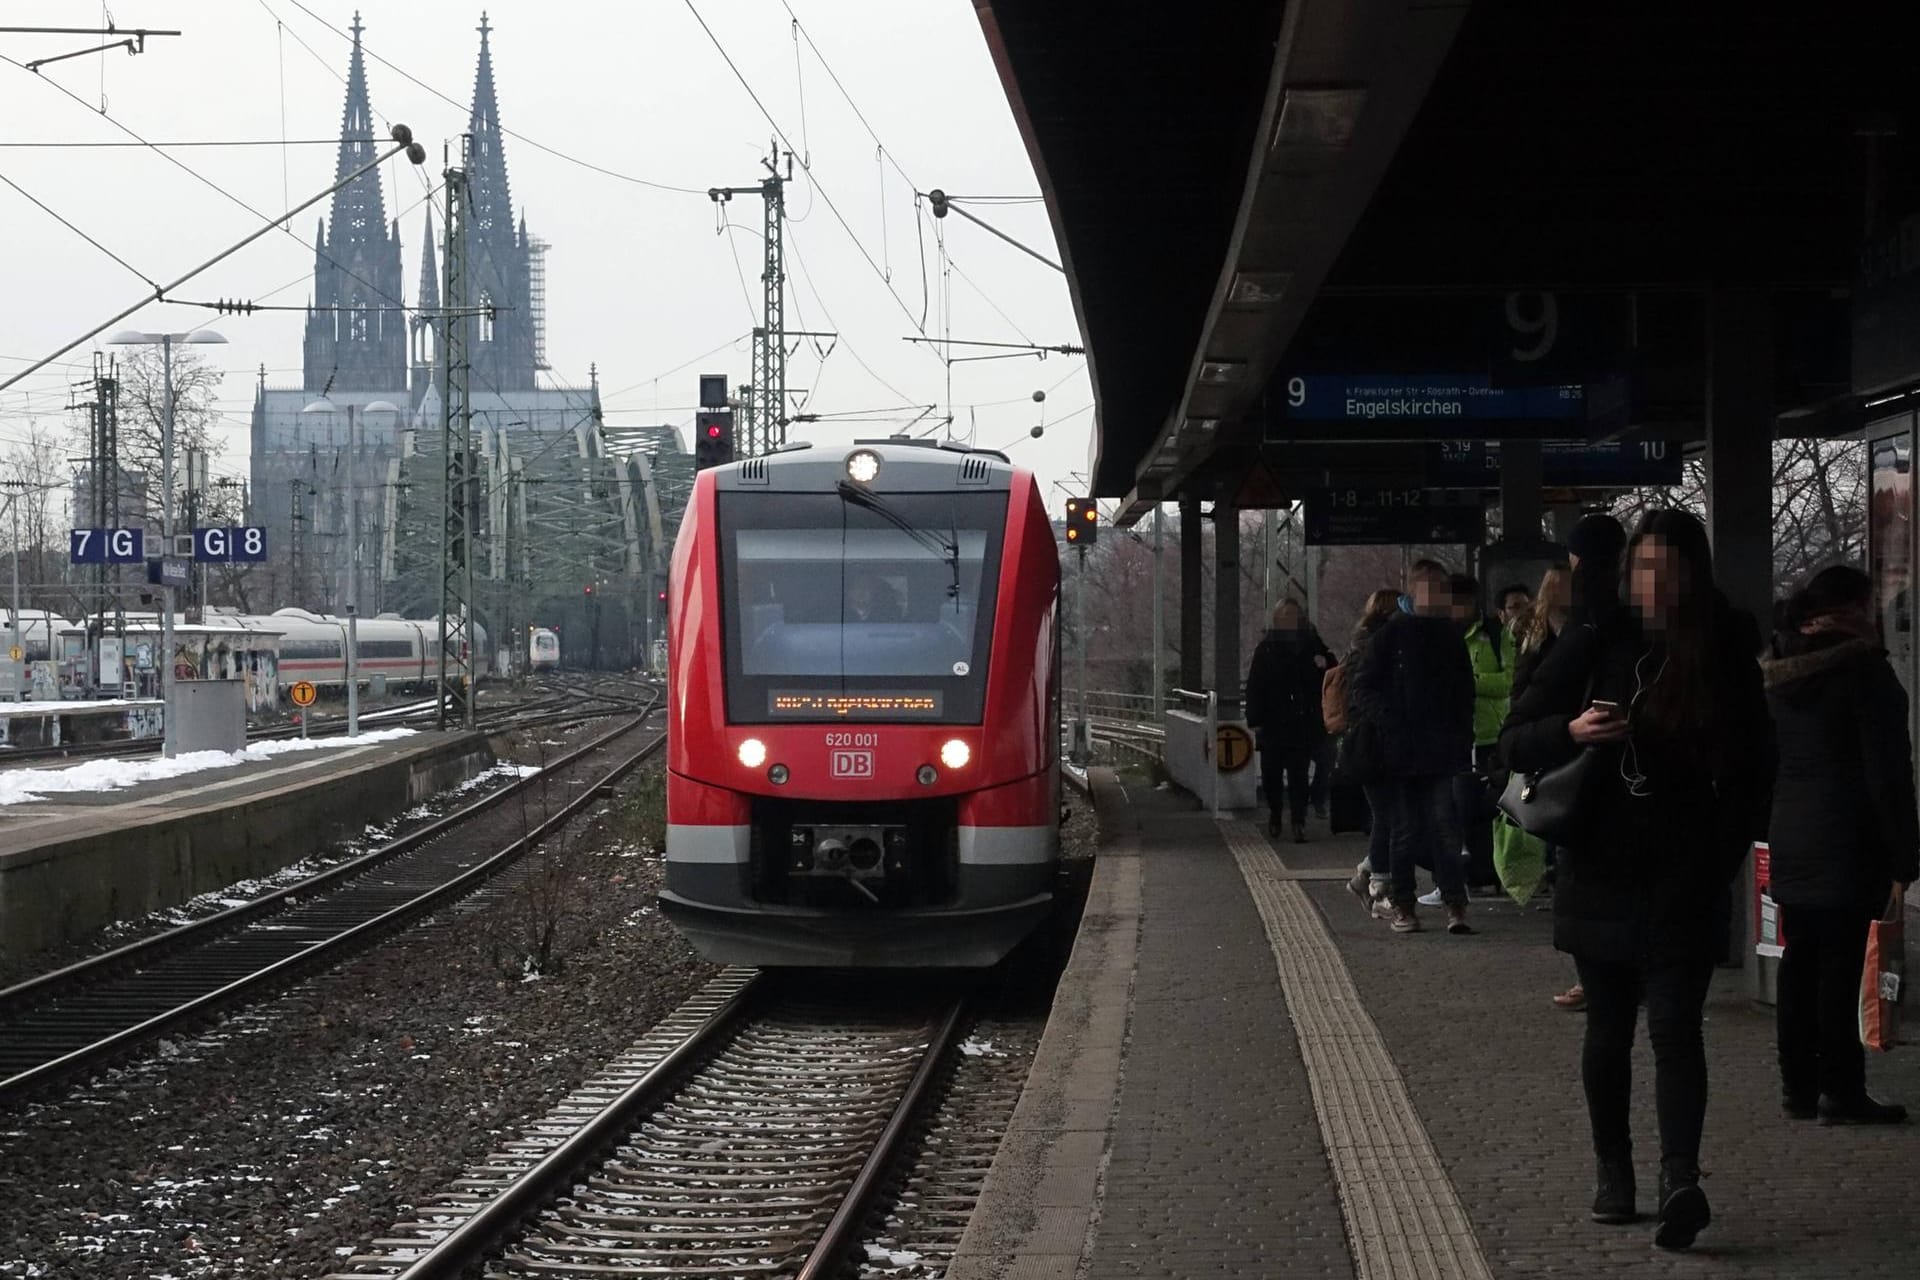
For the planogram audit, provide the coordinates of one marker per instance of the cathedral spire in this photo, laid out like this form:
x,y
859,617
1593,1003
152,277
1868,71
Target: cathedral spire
x,y
359,211
429,270
503,350
353,341
486,160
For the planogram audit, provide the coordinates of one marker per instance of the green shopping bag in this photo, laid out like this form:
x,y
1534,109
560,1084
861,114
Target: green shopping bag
x,y
1519,858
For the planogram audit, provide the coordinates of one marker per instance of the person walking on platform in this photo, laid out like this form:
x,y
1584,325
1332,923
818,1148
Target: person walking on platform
x,y
1412,691
1658,709
1357,761
1844,838
1283,709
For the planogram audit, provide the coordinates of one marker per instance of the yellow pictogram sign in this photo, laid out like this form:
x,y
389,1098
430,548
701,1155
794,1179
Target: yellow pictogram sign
x,y
1232,748
303,693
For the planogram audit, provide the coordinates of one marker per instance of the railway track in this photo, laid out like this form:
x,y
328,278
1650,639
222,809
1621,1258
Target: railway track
x,y
747,1135
70,1020
571,703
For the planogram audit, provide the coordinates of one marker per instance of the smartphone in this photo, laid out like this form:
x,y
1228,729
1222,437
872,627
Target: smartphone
x,y
1606,708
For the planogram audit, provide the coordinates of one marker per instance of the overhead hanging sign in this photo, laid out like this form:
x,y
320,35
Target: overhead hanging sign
x,y
1432,400
106,546
1629,462
1356,517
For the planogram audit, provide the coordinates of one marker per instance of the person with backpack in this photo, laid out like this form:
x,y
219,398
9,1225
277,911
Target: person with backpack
x,y
1283,709
1411,699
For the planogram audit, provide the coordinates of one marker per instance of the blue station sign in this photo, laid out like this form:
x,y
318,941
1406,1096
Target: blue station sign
x,y
1431,400
243,544
106,546
1629,462
1358,517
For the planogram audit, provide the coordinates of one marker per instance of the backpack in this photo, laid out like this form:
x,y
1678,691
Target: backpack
x,y
1333,699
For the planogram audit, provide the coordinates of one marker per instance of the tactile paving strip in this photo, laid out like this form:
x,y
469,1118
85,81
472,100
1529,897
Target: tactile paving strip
x,y
1403,1218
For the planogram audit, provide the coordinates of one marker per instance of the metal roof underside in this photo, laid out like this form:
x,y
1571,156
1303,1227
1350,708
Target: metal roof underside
x,y
1638,151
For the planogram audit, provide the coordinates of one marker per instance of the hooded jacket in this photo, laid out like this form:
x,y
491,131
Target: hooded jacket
x,y
1491,650
1283,687
1844,824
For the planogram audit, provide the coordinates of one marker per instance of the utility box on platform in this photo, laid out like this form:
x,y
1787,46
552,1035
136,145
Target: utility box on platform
x,y
212,715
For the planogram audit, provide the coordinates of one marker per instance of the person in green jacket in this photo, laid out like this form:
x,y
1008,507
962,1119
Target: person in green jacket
x,y
1490,649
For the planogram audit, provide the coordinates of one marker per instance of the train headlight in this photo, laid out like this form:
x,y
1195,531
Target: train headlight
x,y
777,775
863,466
753,752
954,753
927,775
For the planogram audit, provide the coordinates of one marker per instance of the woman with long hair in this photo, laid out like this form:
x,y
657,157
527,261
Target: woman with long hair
x,y
1369,881
1844,839
1659,707
1541,625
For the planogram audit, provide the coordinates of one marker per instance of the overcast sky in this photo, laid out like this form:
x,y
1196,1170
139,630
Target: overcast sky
x,y
639,282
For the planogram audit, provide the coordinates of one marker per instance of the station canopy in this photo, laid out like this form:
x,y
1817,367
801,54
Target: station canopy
x,y
1315,239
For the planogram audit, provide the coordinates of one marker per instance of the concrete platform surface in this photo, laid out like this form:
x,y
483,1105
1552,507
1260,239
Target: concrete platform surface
x,y
1290,1089
76,861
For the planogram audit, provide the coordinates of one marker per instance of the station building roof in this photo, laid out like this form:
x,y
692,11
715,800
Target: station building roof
x,y
1246,192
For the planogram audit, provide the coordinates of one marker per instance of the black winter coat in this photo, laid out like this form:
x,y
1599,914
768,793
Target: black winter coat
x,y
1283,688
1844,824
1410,694
1649,878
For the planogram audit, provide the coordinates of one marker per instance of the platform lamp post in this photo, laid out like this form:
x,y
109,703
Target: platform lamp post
x,y
135,338
324,405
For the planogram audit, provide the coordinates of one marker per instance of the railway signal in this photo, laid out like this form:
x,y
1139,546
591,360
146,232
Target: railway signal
x,y
1083,521
712,438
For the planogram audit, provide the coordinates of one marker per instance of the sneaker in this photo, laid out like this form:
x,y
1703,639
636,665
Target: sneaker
x,y
1799,1106
1431,898
1684,1211
1573,999
1613,1192
1403,920
1457,921
1360,885
1381,909
1861,1110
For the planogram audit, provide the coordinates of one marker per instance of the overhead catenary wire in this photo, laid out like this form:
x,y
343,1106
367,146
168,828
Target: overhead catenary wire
x,y
55,214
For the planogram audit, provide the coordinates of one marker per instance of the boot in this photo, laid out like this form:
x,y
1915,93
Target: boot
x,y
1403,919
1864,1109
1273,825
1684,1212
1299,833
1613,1190
1457,919
1799,1106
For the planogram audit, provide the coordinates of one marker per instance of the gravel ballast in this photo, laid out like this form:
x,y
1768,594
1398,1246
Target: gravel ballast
x,y
270,1143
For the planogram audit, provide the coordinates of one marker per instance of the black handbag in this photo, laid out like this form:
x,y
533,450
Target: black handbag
x,y
1551,803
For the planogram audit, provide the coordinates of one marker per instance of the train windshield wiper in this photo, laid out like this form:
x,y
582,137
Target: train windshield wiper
x,y
854,495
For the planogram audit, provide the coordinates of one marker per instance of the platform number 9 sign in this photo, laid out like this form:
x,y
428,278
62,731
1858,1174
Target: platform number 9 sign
x,y
1534,318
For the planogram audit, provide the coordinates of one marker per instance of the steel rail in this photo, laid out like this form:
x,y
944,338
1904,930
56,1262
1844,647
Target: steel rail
x,y
15,998
326,952
843,1228
500,1219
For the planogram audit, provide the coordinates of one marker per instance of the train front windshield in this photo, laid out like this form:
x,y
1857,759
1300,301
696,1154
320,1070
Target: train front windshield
x,y
835,612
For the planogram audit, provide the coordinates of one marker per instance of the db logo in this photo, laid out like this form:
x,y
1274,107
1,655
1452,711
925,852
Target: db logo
x,y
852,764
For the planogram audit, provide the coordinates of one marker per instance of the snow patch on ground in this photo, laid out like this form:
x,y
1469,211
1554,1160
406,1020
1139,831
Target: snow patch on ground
x,y
18,786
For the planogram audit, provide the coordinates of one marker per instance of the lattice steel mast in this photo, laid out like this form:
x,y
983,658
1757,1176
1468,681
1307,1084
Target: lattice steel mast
x,y
766,408
456,668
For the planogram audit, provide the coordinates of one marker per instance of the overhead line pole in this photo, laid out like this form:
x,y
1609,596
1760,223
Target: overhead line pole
x,y
456,439
766,424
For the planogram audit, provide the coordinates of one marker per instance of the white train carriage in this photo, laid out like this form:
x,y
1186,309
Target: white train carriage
x,y
543,649
313,647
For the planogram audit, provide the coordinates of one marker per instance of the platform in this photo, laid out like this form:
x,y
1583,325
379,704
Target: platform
x,y
1244,1075
73,862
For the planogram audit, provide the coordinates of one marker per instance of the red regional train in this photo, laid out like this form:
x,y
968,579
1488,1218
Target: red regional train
x,y
863,726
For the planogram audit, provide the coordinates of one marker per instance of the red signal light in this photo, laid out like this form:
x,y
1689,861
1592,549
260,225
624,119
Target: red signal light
x,y
713,431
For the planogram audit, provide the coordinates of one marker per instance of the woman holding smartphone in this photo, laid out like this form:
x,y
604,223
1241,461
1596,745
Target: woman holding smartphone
x,y
1665,695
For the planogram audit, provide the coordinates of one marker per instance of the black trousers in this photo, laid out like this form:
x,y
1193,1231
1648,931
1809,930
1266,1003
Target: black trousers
x,y
1675,993
1283,768
1476,819
1817,1019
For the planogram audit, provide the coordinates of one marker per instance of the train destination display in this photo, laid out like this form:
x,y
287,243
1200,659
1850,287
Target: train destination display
x,y
1355,517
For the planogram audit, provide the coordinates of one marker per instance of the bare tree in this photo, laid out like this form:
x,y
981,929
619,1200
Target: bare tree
x,y
35,470
142,402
